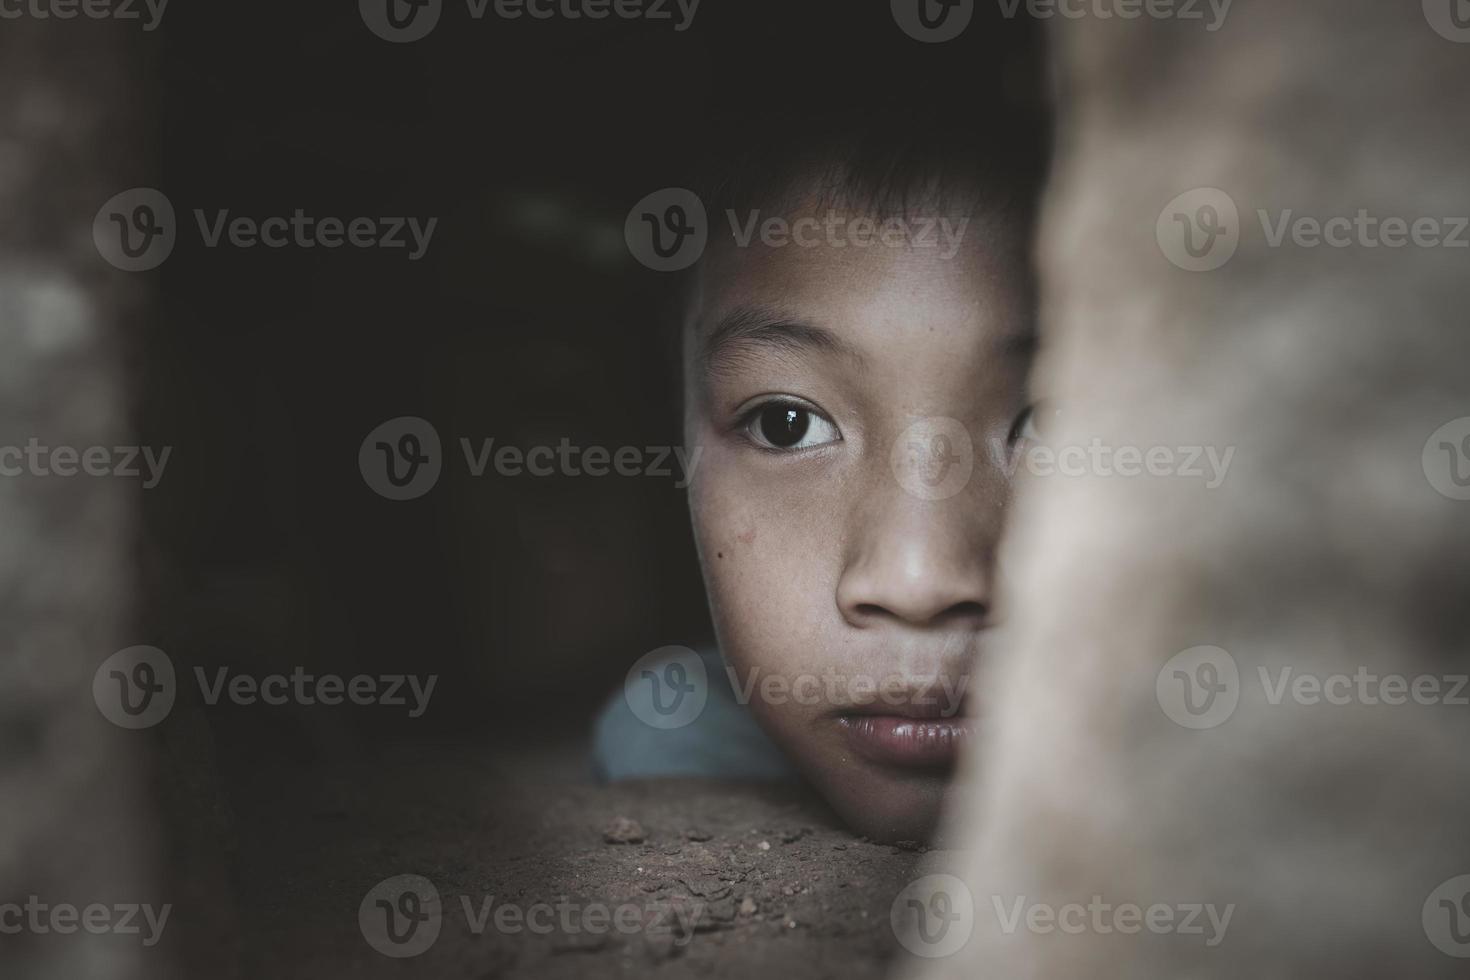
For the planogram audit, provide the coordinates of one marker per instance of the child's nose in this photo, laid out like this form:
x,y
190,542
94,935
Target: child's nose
x,y
922,563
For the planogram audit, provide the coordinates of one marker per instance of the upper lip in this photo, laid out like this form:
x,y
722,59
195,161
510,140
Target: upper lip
x,y
919,703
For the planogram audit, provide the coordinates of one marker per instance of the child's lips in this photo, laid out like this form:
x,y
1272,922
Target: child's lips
x,y
898,740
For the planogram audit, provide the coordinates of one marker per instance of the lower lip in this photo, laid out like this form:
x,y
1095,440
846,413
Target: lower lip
x,y
919,743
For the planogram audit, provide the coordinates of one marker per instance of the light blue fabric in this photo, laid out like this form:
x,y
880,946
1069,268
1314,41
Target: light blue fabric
x,y
722,742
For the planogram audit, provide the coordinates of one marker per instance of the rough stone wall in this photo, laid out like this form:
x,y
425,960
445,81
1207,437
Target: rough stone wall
x,y
1327,548
75,826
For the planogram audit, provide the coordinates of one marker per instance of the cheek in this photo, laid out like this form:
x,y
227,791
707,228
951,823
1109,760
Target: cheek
x,y
770,570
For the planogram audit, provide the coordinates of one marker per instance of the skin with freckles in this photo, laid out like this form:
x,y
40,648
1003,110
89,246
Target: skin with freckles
x,y
858,408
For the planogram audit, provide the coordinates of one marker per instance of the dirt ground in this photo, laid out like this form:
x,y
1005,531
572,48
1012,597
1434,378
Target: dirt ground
x,y
724,880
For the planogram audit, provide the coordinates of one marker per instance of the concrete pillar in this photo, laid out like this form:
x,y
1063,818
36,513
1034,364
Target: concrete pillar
x,y
1337,542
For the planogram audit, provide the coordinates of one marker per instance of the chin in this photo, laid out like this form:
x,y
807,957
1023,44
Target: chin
x,y
891,808
901,799
880,803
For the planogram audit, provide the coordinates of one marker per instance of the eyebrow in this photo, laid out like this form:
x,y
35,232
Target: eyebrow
x,y
1025,343
747,330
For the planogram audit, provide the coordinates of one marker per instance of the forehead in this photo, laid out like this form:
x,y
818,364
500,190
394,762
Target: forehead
x,y
952,277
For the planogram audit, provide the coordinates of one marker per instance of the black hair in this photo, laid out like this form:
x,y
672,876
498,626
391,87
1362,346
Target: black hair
x,y
839,102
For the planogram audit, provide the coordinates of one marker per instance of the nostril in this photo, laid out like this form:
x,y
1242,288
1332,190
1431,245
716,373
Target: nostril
x,y
963,614
966,612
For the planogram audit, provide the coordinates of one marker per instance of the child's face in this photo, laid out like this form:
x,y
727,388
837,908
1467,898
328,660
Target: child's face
x,y
855,407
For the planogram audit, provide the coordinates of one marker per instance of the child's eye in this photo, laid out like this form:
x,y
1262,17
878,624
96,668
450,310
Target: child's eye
x,y
787,425
1034,423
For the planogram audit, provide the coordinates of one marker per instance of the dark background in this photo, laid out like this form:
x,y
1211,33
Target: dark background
x,y
264,551
526,321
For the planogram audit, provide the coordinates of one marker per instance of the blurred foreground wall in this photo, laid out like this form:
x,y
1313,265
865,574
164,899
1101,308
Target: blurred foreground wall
x,y
77,839
1231,733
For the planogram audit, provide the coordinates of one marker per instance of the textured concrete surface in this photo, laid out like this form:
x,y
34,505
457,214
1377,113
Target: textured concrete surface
x,y
713,879
76,825
1326,550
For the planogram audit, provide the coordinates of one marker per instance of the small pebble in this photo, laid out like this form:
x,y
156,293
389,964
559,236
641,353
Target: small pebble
x,y
622,830
764,845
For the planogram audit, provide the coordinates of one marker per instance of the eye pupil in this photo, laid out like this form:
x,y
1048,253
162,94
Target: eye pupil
x,y
783,426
